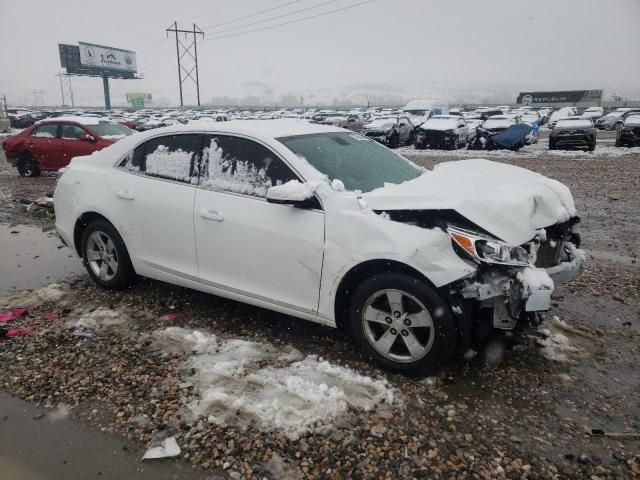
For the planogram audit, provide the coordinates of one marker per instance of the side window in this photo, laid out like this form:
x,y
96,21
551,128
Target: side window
x,y
47,130
71,132
238,165
174,157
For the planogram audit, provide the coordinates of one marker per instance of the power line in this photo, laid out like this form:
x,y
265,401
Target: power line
x,y
276,17
253,14
268,27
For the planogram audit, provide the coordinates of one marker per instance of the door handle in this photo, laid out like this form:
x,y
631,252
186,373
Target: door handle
x,y
211,215
125,194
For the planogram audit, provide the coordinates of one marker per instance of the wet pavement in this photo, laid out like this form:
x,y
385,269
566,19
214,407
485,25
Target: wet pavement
x,y
33,257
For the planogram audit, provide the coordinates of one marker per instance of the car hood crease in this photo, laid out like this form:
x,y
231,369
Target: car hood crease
x,y
507,201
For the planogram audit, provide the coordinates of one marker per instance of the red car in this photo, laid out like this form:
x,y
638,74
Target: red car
x,y
50,144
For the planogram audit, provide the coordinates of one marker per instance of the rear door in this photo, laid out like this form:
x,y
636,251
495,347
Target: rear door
x,y
72,145
152,194
246,245
45,146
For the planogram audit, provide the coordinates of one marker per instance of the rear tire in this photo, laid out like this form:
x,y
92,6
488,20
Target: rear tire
x,y
105,256
402,323
27,165
394,141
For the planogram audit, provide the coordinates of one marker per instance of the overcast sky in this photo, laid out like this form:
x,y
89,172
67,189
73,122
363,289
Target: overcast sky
x,y
381,51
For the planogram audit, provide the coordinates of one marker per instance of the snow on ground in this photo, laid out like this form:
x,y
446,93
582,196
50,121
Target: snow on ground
x,y
539,149
240,382
32,298
558,346
101,317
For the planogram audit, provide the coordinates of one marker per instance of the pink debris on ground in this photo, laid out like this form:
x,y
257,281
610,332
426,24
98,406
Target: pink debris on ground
x,y
51,316
170,316
13,314
18,331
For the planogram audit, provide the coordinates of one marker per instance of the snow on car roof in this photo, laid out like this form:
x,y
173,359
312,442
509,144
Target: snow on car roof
x,y
81,120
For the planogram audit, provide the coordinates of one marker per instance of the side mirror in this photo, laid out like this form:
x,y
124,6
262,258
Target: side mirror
x,y
293,193
87,138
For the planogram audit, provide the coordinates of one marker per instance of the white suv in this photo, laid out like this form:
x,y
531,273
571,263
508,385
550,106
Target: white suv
x,y
326,225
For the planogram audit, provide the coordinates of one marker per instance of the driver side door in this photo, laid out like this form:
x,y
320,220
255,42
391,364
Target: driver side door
x,y
245,245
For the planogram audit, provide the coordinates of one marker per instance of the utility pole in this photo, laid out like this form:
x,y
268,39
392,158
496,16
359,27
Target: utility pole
x,y
187,50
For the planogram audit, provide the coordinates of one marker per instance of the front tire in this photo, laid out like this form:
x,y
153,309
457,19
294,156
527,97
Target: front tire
x,y
105,256
27,166
402,323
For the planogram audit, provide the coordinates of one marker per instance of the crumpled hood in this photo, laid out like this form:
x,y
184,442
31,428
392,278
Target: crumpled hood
x,y
509,202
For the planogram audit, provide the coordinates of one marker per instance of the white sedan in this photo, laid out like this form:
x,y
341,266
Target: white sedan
x,y
326,225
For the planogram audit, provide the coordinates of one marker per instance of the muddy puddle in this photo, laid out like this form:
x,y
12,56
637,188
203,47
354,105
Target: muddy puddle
x,y
32,257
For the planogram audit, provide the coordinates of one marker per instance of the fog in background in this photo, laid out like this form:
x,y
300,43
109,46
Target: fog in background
x,y
382,51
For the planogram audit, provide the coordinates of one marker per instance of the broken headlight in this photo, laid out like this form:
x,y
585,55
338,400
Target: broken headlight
x,y
483,248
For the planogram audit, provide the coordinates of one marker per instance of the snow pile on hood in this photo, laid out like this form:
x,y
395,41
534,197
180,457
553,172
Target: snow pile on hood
x,y
292,393
509,202
440,124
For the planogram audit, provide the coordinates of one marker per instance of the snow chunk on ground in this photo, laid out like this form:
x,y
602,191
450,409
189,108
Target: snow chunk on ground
x,y
242,382
101,318
32,298
534,279
557,346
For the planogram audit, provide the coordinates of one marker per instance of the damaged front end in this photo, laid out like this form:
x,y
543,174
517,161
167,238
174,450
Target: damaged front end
x,y
514,284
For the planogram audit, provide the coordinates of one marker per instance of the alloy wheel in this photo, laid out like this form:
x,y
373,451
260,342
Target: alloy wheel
x,y
102,256
398,326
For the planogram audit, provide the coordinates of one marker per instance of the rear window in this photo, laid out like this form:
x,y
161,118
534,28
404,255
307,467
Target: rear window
x,y
46,130
574,123
110,130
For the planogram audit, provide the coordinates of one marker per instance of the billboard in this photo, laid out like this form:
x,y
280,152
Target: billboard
x,y
97,61
137,99
566,96
108,58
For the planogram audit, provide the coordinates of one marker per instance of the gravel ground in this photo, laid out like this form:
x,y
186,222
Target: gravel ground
x,y
510,412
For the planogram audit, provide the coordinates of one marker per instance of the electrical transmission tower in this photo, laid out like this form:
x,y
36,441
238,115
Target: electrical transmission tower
x,y
181,52
38,94
65,89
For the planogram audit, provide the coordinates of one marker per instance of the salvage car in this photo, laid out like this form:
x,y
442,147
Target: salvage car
x,y
50,144
326,225
629,134
391,131
442,131
564,112
575,132
498,123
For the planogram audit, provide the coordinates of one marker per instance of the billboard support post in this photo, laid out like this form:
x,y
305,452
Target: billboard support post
x,y
107,98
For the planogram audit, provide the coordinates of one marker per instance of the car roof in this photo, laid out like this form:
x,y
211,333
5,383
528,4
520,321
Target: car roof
x,y
88,121
276,128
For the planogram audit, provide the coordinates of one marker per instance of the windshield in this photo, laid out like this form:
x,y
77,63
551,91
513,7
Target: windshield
x,y
360,163
574,122
381,122
417,113
498,122
110,129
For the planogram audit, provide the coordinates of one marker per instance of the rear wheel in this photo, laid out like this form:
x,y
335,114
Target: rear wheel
x,y
410,140
402,323
27,165
105,256
394,141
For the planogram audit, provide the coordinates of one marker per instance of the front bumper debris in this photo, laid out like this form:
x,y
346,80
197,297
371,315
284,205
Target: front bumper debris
x,y
511,299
